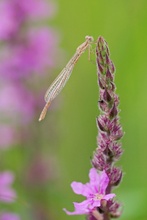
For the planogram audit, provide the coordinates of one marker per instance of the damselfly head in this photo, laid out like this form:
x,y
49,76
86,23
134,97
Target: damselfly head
x,y
89,38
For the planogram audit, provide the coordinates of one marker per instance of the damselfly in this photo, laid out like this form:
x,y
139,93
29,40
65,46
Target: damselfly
x,y
63,77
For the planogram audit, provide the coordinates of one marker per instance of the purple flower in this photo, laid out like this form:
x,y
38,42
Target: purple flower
x,y
94,191
35,54
9,216
7,194
7,136
17,104
8,24
36,9
14,13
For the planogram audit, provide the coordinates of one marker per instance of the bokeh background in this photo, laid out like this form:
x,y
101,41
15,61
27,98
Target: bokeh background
x,y
51,154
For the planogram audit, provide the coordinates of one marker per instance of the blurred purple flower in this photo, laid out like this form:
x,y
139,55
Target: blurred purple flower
x,y
7,136
94,191
16,104
7,194
37,9
34,55
8,25
14,13
9,216
23,54
40,170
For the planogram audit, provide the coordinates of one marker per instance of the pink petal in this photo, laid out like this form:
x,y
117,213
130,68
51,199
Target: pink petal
x,y
6,178
103,182
74,213
81,189
97,203
94,176
109,196
80,208
7,195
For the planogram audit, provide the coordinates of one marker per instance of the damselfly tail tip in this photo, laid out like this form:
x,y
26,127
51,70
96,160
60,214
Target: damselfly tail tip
x,y
40,118
43,114
44,111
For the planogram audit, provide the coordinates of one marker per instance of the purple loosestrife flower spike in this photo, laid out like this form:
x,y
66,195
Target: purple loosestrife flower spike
x,y
109,129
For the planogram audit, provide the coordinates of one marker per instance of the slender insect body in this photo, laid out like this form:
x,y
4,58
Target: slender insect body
x,y
59,83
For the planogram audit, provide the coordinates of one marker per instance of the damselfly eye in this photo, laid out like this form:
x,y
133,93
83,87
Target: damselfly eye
x,y
89,38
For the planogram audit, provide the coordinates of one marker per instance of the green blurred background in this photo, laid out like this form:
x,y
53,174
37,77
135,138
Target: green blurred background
x,y
123,23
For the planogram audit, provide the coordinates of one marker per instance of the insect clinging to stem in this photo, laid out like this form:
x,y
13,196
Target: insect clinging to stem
x,y
59,83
